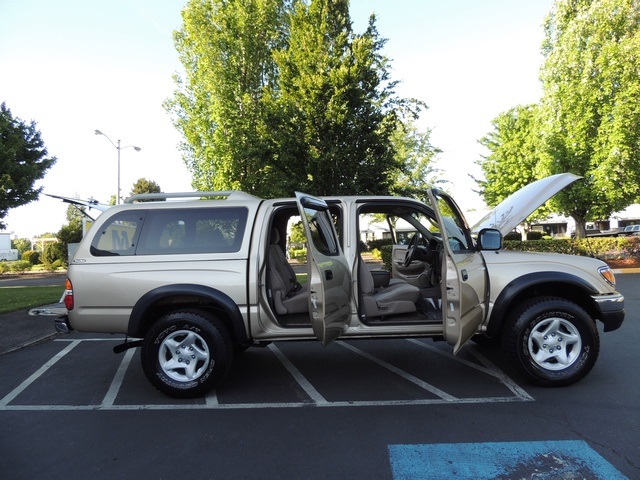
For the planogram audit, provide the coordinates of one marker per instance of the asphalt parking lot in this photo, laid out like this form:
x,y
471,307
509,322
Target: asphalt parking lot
x,y
282,375
71,408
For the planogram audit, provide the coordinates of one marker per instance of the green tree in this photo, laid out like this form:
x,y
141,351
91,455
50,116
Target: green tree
x,y
590,108
339,109
143,185
514,154
415,153
69,233
23,161
21,244
226,49
280,95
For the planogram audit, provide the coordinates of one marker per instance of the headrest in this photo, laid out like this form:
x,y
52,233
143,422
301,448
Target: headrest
x,y
275,236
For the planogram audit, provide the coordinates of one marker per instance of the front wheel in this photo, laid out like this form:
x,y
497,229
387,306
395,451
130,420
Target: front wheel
x,y
553,341
186,354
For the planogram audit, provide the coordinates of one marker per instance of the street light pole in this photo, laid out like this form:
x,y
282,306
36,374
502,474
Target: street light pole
x,y
118,148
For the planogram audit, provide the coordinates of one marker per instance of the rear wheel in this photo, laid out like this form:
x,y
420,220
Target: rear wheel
x,y
186,354
553,341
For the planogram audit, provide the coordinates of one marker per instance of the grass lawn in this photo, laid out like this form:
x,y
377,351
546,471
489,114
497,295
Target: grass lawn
x,y
22,298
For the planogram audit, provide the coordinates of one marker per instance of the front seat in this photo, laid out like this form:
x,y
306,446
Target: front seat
x,y
395,299
287,294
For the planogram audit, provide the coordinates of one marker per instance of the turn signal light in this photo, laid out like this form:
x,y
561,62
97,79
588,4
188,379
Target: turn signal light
x,y
608,275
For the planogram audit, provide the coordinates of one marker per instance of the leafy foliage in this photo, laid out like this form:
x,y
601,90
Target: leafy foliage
x,y
282,95
144,185
23,161
587,121
21,244
514,154
591,79
605,248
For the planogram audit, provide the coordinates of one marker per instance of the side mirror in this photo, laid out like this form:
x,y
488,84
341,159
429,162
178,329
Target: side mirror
x,y
489,239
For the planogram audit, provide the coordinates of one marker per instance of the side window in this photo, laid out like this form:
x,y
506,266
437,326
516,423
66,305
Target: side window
x,y
119,237
457,234
322,235
199,230
172,231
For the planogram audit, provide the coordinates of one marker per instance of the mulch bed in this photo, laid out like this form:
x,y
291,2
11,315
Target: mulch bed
x,y
624,263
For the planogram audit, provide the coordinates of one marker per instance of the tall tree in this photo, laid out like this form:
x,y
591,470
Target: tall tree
x,y
336,104
23,161
415,154
226,49
514,159
591,80
281,95
514,154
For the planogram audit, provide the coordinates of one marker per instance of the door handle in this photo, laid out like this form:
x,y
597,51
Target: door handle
x,y
328,274
464,274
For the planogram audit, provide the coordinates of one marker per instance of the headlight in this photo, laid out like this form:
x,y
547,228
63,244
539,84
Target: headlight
x,y
608,275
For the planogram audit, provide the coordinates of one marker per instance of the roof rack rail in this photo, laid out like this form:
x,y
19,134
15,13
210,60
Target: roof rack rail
x,y
220,195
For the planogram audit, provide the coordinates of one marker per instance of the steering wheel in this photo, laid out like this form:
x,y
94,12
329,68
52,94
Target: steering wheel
x,y
412,249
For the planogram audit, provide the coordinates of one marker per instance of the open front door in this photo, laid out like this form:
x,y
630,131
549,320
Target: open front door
x,y
464,280
328,272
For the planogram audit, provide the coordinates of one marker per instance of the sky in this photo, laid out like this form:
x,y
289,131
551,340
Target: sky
x,y
74,66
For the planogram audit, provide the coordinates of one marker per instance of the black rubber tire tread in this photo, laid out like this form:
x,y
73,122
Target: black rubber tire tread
x,y
214,334
516,334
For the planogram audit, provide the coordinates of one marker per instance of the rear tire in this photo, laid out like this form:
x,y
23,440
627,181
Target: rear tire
x,y
553,341
186,354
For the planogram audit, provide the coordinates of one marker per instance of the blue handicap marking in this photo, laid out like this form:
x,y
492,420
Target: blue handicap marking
x,y
505,460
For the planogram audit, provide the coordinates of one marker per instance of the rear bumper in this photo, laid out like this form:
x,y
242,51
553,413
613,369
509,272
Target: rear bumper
x,y
62,325
611,310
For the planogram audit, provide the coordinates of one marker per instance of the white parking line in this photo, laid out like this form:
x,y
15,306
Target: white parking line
x,y
316,399
295,373
407,376
114,388
489,368
37,374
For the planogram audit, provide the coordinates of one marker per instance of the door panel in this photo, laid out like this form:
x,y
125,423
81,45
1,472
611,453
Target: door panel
x,y
410,274
329,277
463,274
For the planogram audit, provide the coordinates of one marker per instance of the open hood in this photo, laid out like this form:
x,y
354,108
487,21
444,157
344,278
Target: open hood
x,y
513,210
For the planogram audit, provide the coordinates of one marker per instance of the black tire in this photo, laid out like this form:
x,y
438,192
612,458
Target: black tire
x,y
553,341
186,354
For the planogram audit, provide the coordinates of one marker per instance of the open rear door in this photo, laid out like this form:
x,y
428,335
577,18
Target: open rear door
x,y
464,276
328,272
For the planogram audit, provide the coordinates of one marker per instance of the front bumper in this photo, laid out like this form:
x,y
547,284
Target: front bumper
x,y
611,310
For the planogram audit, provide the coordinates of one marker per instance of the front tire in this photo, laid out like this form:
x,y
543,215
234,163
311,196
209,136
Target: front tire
x,y
553,341
186,354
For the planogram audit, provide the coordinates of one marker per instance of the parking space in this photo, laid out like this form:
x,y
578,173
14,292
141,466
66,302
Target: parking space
x,y
81,372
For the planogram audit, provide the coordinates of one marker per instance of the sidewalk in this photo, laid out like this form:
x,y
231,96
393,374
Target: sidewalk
x,y
20,329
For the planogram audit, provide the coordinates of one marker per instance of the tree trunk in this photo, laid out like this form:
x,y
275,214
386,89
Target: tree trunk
x,y
580,222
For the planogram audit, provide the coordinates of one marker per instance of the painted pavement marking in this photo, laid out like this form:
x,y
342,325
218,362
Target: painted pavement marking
x,y
315,398
556,460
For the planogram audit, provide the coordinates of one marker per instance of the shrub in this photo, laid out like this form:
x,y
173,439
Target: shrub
x,y
298,254
512,237
603,248
51,253
378,243
386,254
535,235
20,266
4,267
31,256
